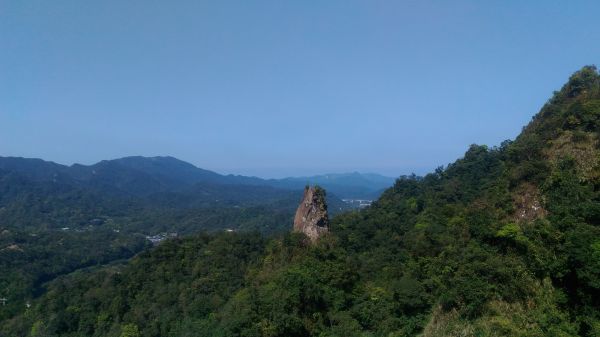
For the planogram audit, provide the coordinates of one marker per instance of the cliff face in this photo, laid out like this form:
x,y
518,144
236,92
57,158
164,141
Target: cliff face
x,y
311,217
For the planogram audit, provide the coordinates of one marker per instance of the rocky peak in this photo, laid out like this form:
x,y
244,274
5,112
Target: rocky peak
x,y
311,217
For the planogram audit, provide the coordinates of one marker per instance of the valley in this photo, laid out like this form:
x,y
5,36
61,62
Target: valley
x,y
56,219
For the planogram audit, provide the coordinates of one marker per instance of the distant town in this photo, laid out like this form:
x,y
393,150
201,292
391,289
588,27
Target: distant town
x,y
156,239
358,203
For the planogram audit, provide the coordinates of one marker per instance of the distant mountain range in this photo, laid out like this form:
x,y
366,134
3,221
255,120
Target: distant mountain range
x,y
144,176
344,185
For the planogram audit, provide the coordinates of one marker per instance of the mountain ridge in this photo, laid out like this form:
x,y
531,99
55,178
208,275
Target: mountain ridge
x,y
166,173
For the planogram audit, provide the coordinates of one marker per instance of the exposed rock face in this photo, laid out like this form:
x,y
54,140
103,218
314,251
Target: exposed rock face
x,y
528,202
311,217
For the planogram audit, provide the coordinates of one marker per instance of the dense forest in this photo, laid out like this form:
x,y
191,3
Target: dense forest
x,y
503,242
49,229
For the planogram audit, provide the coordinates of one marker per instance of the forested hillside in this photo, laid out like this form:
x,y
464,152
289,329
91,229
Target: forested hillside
x,y
503,242
56,219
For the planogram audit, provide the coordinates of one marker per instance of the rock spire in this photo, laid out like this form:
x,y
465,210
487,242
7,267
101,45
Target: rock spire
x,y
311,217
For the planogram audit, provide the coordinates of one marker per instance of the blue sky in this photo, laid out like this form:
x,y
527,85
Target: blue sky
x,y
278,88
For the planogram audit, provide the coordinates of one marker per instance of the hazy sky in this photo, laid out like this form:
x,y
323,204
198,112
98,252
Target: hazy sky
x,y
276,88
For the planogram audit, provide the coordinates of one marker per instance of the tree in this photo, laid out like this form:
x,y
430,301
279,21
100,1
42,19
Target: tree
x,y
130,330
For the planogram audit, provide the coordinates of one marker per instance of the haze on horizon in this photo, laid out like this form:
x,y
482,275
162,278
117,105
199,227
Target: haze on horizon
x,y
276,89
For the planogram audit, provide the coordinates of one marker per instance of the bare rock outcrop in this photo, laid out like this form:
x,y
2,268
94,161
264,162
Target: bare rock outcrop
x,y
311,217
528,202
